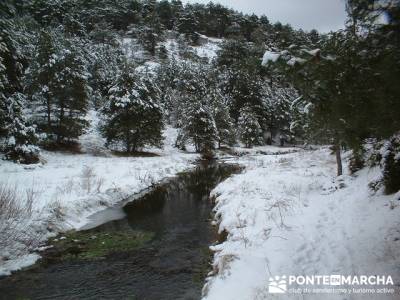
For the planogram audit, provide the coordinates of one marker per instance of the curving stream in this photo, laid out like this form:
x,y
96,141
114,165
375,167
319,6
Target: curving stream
x,y
171,264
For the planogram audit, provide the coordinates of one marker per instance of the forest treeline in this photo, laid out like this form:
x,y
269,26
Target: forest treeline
x,y
60,59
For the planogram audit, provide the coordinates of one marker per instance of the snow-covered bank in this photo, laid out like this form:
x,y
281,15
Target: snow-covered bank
x,y
69,188
289,215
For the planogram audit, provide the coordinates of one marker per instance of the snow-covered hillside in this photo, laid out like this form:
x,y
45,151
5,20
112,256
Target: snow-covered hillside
x,y
289,215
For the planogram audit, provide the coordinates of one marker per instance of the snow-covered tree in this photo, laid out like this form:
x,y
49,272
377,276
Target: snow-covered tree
x,y
72,94
249,129
279,109
59,87
132,117
198,126
17,138
220,111
149,36
195,110
391,164
224,125
105,62
187,24
41,76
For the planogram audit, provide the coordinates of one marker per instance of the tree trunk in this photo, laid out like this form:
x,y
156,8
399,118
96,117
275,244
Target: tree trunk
x,y
60,124
127,142
48,112
339,160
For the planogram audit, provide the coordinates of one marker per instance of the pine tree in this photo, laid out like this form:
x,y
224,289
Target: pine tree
x,y
71,96
279,111
150,33
195,109
220,110
249,128
59,87
133,117
391,165
218,19
224,125
12,58
351,80
104,64
188,24
165,12
19,138
198,126
40,80
176,10
149,36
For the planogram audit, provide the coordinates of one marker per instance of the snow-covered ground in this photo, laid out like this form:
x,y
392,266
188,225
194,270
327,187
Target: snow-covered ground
x,y
208,50
289,215
68,188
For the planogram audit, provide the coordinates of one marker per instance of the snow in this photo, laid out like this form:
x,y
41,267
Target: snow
x,y
289,215
172,48
270,56
15,265
69,188
313,52
132,48
208,50
262,150
148,67
296,60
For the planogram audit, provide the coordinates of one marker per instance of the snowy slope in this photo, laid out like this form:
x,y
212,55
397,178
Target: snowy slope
x,y
209,50
289,215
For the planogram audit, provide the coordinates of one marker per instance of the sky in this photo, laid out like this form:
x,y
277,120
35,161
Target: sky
x,y
323,15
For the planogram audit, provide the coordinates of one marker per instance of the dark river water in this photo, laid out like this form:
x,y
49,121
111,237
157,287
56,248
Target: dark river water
x,y
173,265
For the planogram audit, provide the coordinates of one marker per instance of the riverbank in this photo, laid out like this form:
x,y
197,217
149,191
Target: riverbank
x,y
65,189
158,249
289,215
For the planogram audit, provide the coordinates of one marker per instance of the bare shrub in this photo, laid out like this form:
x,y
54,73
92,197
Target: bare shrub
x,y
56,212
282,206
88,178
285,160
69,186
99,184
241,226
147,179
16,211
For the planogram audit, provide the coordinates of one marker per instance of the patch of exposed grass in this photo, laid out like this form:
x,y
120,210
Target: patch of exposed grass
x,y
90,245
